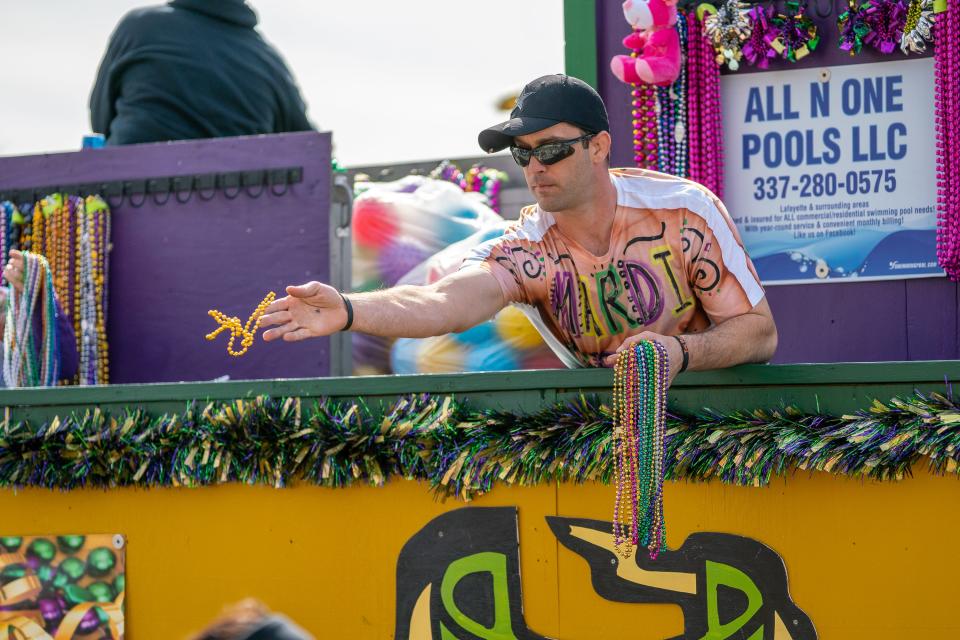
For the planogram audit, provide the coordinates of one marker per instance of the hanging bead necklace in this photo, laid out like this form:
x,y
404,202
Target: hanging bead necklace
x,y
705,139
695,113
639,419
664,152
20,365
6,212
85,293
61,223
50,353
644,112
672,116
26,241
946,31
644,103
712,149
232,324
680,126
101,218
50,206
62,279
622,506
37,236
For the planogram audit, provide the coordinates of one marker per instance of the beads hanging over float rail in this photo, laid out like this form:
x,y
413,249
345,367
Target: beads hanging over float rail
x,y
639,426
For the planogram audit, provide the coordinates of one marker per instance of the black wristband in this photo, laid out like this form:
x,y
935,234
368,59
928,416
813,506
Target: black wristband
x,y
686,354
346,303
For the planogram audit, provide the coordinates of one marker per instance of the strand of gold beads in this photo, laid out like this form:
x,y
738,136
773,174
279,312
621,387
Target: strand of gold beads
x,y
244,332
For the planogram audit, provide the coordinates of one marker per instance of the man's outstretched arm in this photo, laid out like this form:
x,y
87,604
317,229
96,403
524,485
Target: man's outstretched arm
x,y
452,304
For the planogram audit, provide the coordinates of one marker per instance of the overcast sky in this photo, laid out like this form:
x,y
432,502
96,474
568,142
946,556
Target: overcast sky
x,y
394,81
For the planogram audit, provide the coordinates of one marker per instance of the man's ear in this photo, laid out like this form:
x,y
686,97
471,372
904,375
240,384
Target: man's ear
x,y
600,147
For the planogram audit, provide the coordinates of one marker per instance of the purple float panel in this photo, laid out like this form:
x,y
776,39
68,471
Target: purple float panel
x,y
612,28
834,322
174,258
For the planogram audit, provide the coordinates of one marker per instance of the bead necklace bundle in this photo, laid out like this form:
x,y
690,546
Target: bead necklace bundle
x,y
73,234
90,282
947,101
644,112
243,331
705,130
639,419
672,117
20,363
478,178
7,212
678,129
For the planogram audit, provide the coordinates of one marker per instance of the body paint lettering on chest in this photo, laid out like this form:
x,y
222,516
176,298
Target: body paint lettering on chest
x,y
609,289
643,290
662,255
571,306
564,302
590,322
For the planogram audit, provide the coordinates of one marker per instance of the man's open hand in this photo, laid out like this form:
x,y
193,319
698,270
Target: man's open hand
x,y
309,310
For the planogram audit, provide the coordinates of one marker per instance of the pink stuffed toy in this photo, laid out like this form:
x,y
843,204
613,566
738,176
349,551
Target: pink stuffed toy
x,y
658,60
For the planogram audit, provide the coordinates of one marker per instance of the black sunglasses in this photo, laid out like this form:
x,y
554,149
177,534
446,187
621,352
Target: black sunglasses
x,y
549,153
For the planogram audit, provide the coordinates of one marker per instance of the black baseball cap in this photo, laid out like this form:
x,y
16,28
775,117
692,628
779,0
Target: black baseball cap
x,y
547,101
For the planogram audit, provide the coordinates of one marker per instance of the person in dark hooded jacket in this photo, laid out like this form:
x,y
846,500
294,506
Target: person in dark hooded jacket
x,y
193,69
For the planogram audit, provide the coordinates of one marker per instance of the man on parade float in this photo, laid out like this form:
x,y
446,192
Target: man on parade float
x,y
605,259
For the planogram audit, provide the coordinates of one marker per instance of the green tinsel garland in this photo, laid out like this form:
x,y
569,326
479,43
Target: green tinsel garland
x,y
461,452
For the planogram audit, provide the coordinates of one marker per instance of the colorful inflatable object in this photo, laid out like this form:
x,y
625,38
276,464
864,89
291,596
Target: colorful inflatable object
x,y
416,231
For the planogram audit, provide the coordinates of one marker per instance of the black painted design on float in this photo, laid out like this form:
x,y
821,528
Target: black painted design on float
x,y
459,577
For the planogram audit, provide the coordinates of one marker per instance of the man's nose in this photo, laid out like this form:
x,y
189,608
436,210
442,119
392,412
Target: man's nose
x,y
535,165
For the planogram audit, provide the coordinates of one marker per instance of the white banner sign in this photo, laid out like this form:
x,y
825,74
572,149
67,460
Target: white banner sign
x,y
830,173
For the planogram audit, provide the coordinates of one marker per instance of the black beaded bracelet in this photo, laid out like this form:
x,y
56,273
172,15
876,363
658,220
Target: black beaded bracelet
x,y
346,303
686,354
